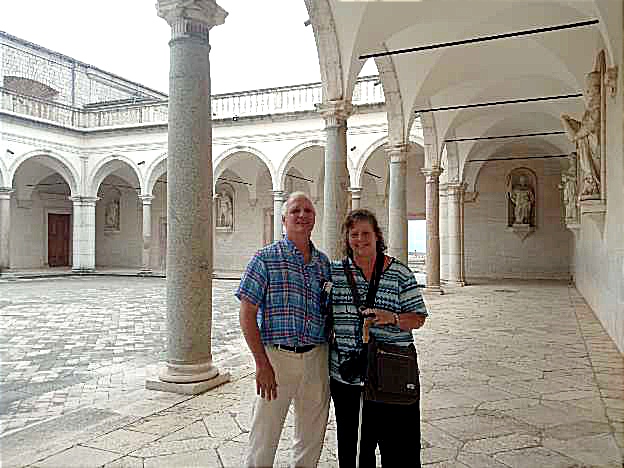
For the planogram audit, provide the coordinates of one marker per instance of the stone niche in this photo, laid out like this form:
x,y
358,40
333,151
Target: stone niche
x,y
521,201
224,207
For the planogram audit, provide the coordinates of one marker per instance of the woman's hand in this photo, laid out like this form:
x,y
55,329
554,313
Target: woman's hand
x,y
383,317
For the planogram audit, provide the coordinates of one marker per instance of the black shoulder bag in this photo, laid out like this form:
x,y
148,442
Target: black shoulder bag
x,y
391,371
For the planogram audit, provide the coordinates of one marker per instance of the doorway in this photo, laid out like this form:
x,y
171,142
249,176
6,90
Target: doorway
x,y
58,240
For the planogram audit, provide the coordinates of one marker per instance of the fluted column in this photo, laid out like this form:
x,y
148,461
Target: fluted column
x,y
189,368
83,235
5,228
336,183
455,234
432,201
397,203
146,267
356,197
444,248
278,200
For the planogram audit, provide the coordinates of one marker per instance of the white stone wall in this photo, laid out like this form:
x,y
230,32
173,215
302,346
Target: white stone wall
x,y
77,83
123,248
493,252
29,229
599,273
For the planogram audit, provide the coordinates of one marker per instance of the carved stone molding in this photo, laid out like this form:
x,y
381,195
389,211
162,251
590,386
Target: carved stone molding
x,y
336,113
610,82
204,12
521,230
595,211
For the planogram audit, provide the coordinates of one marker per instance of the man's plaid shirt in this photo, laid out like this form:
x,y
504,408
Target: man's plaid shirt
x,y
292,309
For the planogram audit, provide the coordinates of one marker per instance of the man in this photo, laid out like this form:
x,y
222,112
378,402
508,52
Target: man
x,y
284,304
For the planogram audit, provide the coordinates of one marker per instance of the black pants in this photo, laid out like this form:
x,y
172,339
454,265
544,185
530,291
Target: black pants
x,y
395,428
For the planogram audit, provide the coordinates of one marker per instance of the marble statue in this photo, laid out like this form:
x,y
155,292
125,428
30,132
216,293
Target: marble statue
x,y
522,197
225,213
111,215
586,136
568,184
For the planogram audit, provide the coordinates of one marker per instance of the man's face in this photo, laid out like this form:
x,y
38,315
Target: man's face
x,y
300,217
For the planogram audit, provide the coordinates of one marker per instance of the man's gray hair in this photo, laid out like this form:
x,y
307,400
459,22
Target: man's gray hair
x,y
293,196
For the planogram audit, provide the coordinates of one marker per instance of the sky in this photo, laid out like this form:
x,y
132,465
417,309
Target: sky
x,y
263,43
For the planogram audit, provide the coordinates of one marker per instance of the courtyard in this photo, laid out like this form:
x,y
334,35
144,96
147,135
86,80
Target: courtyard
x,y
514,374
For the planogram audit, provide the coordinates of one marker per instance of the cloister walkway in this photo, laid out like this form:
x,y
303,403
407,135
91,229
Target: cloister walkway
x,y
514,374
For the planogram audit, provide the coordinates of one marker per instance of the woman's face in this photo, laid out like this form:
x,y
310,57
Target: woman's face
x,y
362,239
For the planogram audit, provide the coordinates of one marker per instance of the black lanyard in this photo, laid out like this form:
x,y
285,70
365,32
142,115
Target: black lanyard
x,y
373,285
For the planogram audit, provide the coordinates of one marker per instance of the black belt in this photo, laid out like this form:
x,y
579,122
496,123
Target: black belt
x,y
296,349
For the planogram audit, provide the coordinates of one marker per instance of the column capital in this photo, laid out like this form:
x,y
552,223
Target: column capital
x,y
78,200
5,192
432,172
336,113
191,17
456,188
398,152
356,192
278,195
146,199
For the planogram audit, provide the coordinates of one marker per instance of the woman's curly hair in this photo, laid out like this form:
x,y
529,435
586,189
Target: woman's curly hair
x,y
358,215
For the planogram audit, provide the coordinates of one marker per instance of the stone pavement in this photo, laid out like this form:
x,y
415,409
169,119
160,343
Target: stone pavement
x,y
514,374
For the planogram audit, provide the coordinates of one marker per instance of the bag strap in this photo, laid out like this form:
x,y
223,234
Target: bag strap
x,y
373,285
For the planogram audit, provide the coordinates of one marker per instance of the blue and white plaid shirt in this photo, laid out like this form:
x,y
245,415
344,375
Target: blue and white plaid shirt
x,y
292,306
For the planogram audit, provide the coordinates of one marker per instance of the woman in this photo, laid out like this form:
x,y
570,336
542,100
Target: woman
x,y
398,308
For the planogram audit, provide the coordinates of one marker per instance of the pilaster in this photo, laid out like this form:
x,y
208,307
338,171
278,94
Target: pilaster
x,y
5,228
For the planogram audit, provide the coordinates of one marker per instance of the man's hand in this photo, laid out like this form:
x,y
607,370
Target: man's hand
x,y
266,386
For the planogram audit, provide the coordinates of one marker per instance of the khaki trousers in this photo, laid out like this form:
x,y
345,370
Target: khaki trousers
x,y
304,380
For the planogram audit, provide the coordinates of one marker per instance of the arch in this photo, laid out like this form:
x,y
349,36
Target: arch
x,y
4,175
359,169
281,171
156,169
106,167
219,164
52,160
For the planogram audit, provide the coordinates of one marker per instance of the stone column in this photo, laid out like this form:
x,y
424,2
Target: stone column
x,y
5,228
432,201
397,203
455,242
83,234
189,368
146,267
278,200
443,234
356,197
336,183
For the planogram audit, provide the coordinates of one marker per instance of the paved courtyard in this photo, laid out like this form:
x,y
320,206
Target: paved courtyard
x,y
514,374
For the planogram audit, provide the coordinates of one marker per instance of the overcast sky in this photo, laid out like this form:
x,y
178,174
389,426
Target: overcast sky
x,y
263,43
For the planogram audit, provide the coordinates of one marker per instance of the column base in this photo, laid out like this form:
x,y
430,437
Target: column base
x,y
81,271
145,272
190,388
433,290
454,283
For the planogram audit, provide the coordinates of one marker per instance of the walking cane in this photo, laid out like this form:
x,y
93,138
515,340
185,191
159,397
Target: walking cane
x,y
365,339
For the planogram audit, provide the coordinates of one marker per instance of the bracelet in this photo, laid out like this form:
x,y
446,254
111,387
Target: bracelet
x,y
396,319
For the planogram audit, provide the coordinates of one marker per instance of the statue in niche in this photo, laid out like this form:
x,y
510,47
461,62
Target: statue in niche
x,y
522,197
111,215
586,135
568,185
225,211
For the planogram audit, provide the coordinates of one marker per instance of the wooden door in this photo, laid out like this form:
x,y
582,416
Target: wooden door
x,y
58,240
